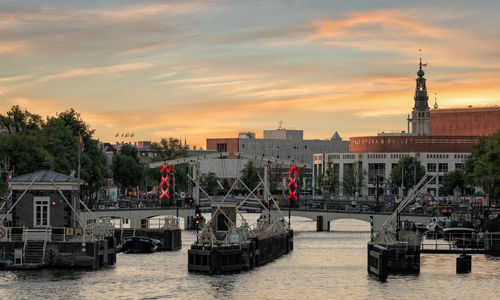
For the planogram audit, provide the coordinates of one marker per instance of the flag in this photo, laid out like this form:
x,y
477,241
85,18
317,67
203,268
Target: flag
x,y
126,135
424,65
82,144
132,134
122,134
117,134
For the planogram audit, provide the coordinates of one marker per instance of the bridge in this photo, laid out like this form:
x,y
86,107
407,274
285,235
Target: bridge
x,y
322,217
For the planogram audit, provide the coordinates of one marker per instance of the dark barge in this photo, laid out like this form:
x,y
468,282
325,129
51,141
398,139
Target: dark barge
x,y
222,247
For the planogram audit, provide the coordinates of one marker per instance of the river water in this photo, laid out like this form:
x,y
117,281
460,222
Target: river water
x,y
323,265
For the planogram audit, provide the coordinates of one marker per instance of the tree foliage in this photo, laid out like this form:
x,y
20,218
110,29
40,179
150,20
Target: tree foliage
x,y
408,172
29,140
483,167
354,180
333,179
168,148
130,151
126,172
249,176
209,183
453,179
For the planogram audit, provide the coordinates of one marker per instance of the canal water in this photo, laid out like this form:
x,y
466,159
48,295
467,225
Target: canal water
x,y
323,265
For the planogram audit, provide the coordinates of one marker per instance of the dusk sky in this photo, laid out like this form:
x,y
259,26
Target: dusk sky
x,y
206,69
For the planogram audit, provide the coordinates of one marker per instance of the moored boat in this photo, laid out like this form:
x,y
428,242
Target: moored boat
x,y
458,229
140,244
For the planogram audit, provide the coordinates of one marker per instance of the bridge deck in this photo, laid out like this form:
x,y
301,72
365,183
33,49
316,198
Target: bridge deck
x,y
453,251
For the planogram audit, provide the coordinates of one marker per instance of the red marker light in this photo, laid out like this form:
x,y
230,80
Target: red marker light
x,y
53,202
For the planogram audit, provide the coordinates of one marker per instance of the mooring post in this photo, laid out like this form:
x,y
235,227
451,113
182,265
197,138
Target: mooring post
x,y
464,264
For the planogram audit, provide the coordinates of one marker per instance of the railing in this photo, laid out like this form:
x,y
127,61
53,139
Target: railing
x,y
54,234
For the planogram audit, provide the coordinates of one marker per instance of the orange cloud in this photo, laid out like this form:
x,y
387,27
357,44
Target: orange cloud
x,y
402,33
114,69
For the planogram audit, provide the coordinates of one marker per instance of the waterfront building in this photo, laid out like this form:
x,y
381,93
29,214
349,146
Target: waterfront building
x,y
441,139
279,143
42,225
378,166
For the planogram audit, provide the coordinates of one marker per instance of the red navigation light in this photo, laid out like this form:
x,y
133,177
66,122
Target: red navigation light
x,y
197,221
53,202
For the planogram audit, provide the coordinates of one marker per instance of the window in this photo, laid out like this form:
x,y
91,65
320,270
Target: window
x,y
431,167
459,166
443,168
376,172
221,147
41,211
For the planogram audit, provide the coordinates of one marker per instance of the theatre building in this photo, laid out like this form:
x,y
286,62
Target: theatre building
x,y
441,139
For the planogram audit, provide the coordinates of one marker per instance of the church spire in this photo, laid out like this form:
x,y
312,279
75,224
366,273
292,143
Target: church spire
x,y
420,117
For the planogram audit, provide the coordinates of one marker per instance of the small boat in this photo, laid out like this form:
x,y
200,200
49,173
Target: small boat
x,y
435,231
458,229
140,244
421,227
4,263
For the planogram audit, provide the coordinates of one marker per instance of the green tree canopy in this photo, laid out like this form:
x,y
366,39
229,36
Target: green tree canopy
x,y
126,171
209,182
18,120
453,179
29,141
130,151
354,180
483,167
333,179
408,171
249,176
168,148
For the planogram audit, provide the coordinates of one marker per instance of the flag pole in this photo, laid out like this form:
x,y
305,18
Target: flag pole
x,y
79,150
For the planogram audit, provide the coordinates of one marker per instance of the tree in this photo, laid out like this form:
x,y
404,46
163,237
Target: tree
x,y
93,168
318,183
65,129
168,149
453,179
333,179
483,167
209,182
17,120
130,151
249,176
354,180
408,171
126,171
61,143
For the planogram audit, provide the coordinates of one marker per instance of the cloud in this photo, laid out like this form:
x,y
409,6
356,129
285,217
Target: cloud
x,y
401,33
107,70
14,78
16,48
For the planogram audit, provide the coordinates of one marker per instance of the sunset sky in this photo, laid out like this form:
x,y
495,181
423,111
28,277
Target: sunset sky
x,y
206,69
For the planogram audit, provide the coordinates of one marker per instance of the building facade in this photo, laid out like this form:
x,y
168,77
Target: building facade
x,y
379,165
440,139
286,144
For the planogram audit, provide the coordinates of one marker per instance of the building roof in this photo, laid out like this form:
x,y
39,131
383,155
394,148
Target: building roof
x,y
45,176
336,137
